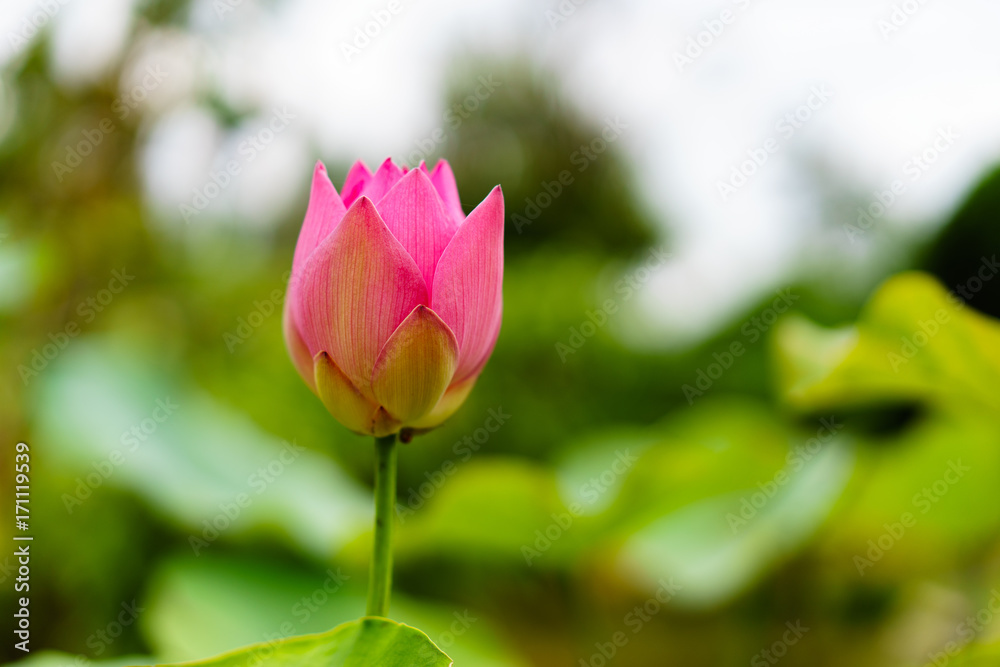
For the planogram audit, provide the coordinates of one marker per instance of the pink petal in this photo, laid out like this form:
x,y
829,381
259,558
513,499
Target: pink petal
x,y
323,213
444,181
297,348
355,289
415,366
493,335
413,213
383,180
468,284
357,178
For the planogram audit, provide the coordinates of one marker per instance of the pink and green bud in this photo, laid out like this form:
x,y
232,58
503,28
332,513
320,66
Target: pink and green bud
x,y
395,299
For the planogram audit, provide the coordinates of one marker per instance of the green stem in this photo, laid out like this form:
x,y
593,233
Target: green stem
x,y
380,578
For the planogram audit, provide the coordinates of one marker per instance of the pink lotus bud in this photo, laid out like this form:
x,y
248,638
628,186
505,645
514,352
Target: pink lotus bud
x,y
395,300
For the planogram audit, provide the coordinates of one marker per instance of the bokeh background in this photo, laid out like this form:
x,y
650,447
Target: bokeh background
x,y
744,406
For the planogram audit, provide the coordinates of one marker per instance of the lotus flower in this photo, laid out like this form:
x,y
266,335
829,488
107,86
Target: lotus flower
x,y
394,302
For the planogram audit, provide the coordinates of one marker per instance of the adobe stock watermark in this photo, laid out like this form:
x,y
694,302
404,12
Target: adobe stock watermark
x,y
902,13
795,461
923,502
635,620
223,7
786,128
625,289
752,330
462,451
247,151
463,621
372,28
230,512
971,627
87,310
91,138
917,340
971,287
581,159
562,12
33,23
713,29
927,329
453,117
7,568
591,491
130,440
301,612
255,319
104,637
312,603
779,649
915,167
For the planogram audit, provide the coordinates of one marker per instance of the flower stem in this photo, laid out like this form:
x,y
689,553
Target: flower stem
x,y
380,578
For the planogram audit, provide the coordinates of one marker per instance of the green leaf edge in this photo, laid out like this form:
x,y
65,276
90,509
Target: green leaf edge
x,y
252,649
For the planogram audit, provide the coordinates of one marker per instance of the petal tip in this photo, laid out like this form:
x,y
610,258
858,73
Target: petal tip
x,y
424,177
364,202
361,166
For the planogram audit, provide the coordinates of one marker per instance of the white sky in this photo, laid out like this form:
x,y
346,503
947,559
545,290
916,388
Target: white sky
x,y
891,95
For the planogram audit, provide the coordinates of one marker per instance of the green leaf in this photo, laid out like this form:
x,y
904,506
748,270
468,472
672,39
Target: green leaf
x,y
197,606
714,548
109,412
646,505
369,642
61,659
913,341
489,510
724,496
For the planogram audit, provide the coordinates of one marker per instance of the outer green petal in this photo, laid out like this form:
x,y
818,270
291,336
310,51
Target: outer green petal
x,y
449,404
341,398
415,366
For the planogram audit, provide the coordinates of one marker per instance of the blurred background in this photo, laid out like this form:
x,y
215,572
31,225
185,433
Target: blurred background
x,y
744,405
